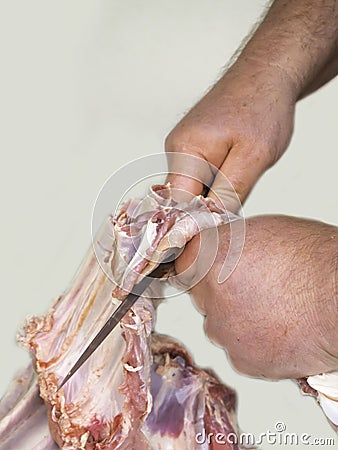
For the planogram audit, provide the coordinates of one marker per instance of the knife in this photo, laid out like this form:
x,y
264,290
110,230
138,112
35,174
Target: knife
x,y
121,311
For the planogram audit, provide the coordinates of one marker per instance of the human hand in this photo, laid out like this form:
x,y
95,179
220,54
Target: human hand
x,y
242,126
277,313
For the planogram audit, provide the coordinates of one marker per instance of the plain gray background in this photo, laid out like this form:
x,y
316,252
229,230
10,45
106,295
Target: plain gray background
x,y
88,86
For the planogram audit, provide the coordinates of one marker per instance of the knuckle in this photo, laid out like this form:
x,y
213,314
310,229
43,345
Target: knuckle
x,y
241,365
236,363
199,302
170,141
214,331
197,138
266,154
181,135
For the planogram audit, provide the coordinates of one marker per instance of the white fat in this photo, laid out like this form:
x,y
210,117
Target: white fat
x,y
131,368
326,383
330,408
151,233
115,302
131,326
83,440
54,416
327,386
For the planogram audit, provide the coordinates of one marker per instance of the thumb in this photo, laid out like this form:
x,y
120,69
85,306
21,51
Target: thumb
x,y
236,177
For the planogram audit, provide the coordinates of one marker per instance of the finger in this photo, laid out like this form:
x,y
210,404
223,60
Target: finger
x,y
237,176
188,173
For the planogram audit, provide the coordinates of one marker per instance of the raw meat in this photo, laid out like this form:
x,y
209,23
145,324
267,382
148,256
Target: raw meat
x,y
139,390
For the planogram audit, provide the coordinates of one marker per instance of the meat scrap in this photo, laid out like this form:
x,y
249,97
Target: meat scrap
x,y
324,388
139,390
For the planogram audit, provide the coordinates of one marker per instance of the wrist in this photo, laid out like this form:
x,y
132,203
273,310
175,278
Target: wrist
x,y
264,75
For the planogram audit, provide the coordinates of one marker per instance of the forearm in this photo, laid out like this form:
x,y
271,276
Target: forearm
x,y
298,38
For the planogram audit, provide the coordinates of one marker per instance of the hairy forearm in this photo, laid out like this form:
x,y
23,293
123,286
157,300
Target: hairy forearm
x,y
299,38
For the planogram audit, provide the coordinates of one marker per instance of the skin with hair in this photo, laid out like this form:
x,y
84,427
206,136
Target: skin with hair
x,y
242,126
244,123
277,314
